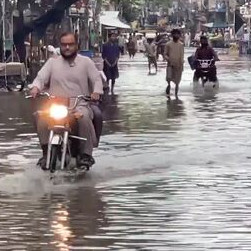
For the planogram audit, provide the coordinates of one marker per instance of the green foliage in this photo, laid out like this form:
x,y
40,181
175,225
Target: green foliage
x,y
128,2
130,9
163,3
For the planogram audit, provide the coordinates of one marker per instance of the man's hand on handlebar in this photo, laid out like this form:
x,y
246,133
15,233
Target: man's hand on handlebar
x,y
95,96
34,92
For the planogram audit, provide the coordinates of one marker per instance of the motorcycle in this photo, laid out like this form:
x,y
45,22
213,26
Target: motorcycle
x,y
13,76
62,141
205,67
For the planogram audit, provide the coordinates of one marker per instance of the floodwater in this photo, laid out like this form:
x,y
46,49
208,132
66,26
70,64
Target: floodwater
x,y
170,175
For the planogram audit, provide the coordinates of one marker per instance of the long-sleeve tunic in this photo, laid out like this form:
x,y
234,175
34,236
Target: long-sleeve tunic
x,y
64,79
174,53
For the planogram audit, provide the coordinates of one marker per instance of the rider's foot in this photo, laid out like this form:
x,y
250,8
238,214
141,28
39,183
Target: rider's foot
x,y
85,161
42,163
168,89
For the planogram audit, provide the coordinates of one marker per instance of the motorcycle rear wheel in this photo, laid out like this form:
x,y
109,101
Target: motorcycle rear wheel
x,y
18,87
12,84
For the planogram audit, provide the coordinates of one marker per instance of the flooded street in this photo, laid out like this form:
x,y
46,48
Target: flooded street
x,y
170,175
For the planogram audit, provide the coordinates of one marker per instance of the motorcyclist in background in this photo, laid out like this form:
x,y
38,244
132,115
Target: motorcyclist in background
x,y
205,52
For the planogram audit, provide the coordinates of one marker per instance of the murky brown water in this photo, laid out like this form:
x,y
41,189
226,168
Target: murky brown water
x,y
170,175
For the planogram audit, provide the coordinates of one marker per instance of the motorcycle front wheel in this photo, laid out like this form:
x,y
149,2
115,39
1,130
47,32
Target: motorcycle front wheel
x,y
54,158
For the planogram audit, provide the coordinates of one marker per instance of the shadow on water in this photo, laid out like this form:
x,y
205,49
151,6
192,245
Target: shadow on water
x,y
111,114
175,108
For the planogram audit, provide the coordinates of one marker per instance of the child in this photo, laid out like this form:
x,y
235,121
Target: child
x,y
99,63
151,50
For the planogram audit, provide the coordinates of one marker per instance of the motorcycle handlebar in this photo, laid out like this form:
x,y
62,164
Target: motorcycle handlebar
x,y
42,94
77,99
208,60
46,94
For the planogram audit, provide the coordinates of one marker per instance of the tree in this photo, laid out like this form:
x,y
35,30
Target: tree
x,y
129,9
39,25
165,4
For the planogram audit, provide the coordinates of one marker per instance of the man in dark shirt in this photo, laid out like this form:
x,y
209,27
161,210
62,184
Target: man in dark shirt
x,y
110,54
205,52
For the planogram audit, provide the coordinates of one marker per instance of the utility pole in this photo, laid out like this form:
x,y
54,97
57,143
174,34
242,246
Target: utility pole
x,y
3,29
227,11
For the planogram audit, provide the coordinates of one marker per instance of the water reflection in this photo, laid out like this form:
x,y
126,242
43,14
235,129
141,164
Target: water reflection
x,y
60,228
58,221
207,104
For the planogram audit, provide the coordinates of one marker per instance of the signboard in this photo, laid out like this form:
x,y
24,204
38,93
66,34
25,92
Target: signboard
x,y
221,5
217,5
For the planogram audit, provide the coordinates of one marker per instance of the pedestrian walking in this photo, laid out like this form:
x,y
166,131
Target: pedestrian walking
x,y
174,55
188,39
131,47
93,40
110,54
135,40
161,43
99,63
151,50
121,41
141,44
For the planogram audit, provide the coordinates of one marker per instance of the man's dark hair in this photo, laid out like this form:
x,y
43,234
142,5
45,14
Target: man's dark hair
x,y
112,33
149,40
175,31
64,34
203,38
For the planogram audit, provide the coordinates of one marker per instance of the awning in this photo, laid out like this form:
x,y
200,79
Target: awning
x,y
217,25
111,18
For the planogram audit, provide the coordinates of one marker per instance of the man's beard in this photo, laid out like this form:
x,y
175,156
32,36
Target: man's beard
x,y
69,57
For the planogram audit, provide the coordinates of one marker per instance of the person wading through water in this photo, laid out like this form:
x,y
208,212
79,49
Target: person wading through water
x,y
110,54
174,55
151,50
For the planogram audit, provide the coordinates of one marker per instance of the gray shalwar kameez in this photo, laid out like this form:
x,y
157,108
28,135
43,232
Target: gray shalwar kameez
x,y
63,79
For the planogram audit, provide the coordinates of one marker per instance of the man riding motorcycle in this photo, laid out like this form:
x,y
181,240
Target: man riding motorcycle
x,y
205,52
67,76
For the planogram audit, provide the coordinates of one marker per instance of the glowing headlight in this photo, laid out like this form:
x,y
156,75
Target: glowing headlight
x,y
58,112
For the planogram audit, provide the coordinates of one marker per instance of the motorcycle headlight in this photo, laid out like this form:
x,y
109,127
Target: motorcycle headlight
x,y
58,112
